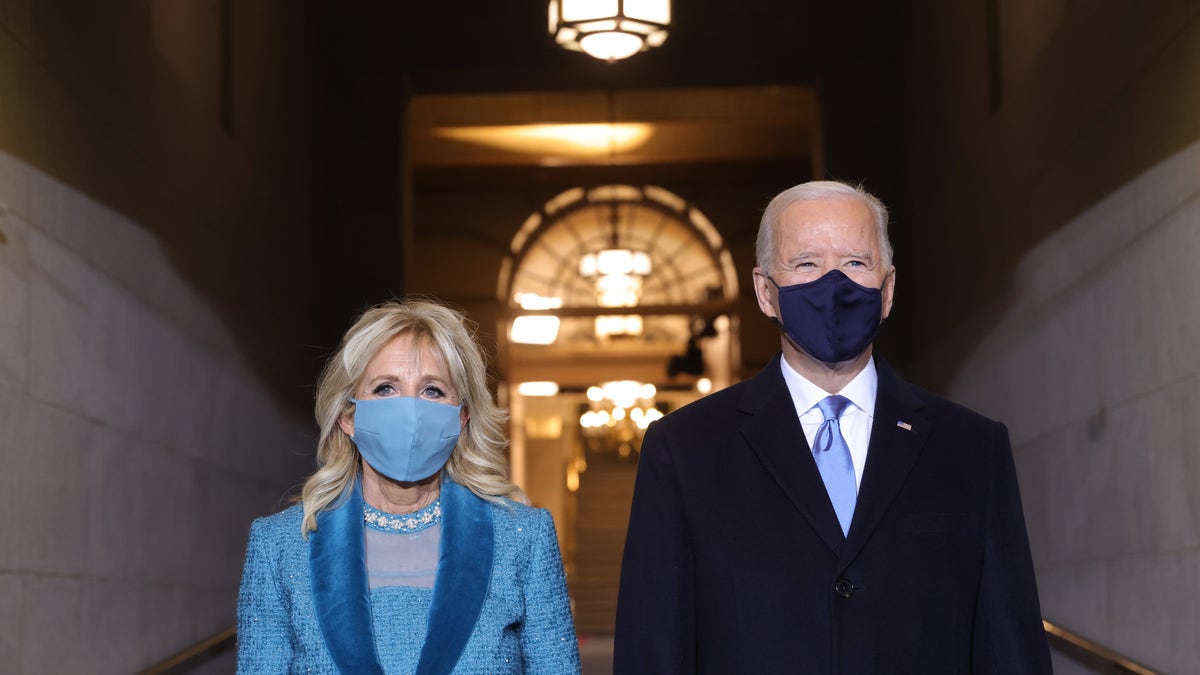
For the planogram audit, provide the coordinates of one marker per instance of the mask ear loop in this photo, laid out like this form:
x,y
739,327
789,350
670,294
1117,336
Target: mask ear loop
x,y
355,402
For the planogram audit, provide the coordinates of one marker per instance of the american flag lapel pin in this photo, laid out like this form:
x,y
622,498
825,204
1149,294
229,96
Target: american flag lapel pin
x,y
904,425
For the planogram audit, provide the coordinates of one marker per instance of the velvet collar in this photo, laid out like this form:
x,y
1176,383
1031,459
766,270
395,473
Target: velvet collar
x,y
341,597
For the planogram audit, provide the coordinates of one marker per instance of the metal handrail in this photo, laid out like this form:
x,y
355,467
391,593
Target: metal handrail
x,y
192,652
1095,649
1092,648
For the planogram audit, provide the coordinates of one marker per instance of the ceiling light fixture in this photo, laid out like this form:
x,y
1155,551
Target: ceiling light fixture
x,y
535,329
609,30
616,273
537,388
575,141
618,414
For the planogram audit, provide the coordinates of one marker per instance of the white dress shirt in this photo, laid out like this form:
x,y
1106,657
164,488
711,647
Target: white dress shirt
x,y
856,418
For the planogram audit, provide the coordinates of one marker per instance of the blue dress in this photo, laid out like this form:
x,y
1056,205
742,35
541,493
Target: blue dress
x,y
498,604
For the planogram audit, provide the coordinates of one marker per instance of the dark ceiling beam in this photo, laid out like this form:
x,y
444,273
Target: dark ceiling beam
x,y
731,173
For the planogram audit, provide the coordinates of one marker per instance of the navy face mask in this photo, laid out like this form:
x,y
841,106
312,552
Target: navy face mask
x,y
405,438
833,318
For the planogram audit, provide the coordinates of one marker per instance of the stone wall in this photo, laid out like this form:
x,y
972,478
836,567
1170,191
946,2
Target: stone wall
x,y
154,322
1094,365
1054,206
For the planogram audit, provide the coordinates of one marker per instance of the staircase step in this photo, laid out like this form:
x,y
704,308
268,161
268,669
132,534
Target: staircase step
x,y
602,518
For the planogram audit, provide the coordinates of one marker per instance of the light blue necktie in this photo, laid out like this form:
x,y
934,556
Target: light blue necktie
x,y
833,460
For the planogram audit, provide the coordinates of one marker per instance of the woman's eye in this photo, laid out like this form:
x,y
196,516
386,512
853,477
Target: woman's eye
x,y
431,391
384,389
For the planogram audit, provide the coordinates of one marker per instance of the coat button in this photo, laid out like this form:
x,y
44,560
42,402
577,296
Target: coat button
x,y
844,588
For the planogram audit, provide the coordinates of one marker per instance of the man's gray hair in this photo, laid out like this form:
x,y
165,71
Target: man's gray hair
x,y
764,248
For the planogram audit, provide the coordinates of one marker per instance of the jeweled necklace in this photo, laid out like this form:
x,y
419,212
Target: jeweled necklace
x,y
409,522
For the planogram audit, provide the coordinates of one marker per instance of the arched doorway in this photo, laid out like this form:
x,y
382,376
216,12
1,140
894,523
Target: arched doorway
x,y
622,307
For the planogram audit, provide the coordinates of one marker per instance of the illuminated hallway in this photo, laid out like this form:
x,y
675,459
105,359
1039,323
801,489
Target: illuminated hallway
x,y
196,196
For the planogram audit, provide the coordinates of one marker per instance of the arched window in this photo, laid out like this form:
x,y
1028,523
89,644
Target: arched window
x,y
617,262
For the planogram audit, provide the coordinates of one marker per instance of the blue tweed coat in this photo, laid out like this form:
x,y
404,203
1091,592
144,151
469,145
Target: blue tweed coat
x,y
498,603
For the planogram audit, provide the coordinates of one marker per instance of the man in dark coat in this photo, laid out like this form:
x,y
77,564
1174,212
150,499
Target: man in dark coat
x,y
826,516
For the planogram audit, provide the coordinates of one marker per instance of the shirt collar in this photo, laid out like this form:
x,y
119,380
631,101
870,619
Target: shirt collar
x,y
806,395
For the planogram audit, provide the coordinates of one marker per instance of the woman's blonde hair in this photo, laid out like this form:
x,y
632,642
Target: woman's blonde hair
x,y
477,462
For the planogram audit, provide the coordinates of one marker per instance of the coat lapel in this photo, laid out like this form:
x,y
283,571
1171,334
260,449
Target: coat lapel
x,y
897,435
774,432
337,564
463,575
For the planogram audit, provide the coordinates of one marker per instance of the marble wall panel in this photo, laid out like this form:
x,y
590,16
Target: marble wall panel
x,y
44,488
60,293
12,616
143,510
1075,596
1154,609
1174,456
54,615
14,299
111,612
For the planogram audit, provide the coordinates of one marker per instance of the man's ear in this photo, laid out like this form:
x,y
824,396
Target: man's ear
x,y
764,292
889,290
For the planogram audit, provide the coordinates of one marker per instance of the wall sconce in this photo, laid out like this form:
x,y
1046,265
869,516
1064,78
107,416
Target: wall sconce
x,y
609,30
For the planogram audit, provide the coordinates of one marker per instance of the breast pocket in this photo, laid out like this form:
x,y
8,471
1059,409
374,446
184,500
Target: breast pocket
x,y
962,524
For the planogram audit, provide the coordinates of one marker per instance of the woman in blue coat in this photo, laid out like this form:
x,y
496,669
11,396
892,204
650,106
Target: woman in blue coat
x,y
410,551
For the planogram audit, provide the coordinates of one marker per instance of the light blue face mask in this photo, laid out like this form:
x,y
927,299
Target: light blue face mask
x,y
405,438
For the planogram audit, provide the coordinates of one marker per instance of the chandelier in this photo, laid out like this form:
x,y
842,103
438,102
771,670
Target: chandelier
x,y
609,30
616,274
618,414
